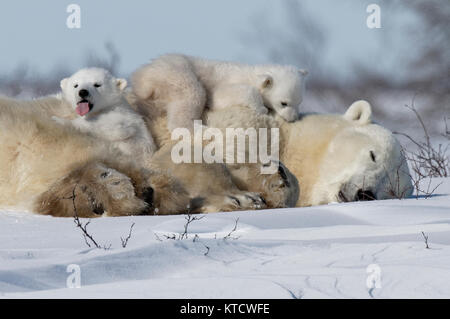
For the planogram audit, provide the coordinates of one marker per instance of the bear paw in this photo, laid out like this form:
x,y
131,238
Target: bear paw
x,y
246,200
281,188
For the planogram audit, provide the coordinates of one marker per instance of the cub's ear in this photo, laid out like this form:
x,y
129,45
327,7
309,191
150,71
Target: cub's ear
x,y
121,84
63,83
303,72
266,81
359,112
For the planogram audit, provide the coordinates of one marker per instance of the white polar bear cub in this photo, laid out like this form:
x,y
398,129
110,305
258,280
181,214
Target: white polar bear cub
x,y
186,85
98,99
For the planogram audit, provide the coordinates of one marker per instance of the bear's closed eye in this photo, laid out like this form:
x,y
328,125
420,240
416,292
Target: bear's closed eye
x,y
372,156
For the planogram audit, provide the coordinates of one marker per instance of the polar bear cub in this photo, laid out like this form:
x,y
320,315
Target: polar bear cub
x,y
102,110
186,85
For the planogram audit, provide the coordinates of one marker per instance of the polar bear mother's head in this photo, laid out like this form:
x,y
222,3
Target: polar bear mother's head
x,y
361,161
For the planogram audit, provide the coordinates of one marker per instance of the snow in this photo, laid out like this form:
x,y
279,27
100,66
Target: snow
x,y
317,252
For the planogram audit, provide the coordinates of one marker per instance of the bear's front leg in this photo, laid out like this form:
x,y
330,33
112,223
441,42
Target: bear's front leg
x,y
237,95
233,201
163,192
120,132
92,190
278,186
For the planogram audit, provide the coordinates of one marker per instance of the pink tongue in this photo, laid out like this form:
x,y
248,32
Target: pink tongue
x,y
82,108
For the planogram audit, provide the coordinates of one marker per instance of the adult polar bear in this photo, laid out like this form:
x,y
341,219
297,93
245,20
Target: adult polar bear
x,y
43,164
334,157
45,157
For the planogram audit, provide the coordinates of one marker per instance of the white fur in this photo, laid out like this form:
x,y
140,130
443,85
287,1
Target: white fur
x,y
362,156
333,156
187,84
359,112
111,117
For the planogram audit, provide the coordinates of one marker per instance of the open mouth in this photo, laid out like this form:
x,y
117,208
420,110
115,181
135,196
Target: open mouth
x,y
84,107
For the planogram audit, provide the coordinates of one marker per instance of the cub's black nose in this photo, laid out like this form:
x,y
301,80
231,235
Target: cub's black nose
x,y
83,93
364,195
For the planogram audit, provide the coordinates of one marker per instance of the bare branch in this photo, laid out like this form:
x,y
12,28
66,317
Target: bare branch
x,y
229,235
189,219
87,237
125,241
427,160
425,237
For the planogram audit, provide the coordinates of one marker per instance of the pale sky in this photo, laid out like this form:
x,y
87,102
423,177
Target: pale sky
x,y
35,32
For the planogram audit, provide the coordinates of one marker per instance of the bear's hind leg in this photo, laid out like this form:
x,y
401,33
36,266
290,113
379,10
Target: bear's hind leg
x,y
237,95
182,113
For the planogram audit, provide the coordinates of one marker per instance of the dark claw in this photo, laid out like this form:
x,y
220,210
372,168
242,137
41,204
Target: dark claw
x,y
238,202
263,200
283,175
254,201
342,197
98,209
147,195
104,175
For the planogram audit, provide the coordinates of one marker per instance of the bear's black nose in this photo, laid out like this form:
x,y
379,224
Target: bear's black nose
x,y
83,93
364,195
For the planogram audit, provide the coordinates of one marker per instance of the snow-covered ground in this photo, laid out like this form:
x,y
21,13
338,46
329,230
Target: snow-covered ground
x,y
319,252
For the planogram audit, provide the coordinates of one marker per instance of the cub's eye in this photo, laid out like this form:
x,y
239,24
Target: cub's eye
x,y
75,86
372,156
284,104
97,85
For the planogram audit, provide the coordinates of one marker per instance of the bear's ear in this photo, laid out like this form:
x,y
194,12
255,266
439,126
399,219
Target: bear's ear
x,y
359,112
266,81
121,84
63,83
303,72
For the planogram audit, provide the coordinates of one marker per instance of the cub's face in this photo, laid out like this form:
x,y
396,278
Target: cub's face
x,y
283,90
363,163
91,90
